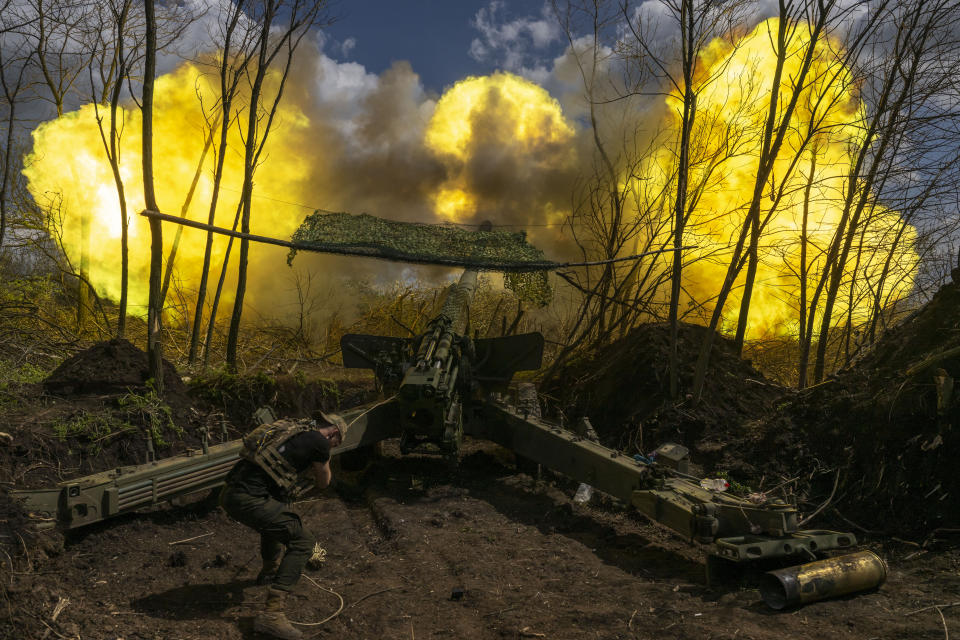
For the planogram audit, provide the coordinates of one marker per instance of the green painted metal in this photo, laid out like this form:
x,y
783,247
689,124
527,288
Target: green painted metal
x,y
560,450
740,530
443,385
93,498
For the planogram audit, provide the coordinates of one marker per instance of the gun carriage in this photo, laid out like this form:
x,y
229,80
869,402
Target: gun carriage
x,y
444,384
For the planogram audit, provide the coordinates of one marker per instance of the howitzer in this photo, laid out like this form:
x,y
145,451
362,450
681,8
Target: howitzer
x,y
432,376
443,384
446,384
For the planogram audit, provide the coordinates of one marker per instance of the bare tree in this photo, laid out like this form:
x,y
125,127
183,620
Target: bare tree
x,y
237,46
906,90
155,306
282,42
601,221
115,41
806,107
113,56
53,30
698,23
15,58
780,120
649,177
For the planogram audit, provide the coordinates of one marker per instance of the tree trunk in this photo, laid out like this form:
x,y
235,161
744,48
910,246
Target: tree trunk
x,y
172,256
211,325
154,309
229,77
768,154
680,204
804,337
249,162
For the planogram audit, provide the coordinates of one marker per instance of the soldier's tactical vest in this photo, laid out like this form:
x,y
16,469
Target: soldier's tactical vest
x,y
262,447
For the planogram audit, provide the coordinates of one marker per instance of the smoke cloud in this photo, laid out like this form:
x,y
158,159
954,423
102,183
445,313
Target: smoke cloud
x,y
344,140
499,147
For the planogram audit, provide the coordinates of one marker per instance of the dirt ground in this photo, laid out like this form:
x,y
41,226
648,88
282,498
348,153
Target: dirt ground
x,y
418,553
415,550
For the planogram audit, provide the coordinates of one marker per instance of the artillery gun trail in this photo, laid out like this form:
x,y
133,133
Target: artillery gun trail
x,y
444,384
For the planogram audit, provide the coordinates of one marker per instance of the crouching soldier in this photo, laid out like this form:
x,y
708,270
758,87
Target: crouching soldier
x,y
279,462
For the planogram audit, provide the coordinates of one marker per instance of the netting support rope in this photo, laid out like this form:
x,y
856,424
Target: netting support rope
x,y
373,252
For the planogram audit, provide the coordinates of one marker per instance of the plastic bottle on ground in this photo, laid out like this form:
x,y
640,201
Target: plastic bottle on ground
x,y
715,484
583,494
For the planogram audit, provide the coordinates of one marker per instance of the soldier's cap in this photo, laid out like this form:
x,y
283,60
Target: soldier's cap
x,y
332,420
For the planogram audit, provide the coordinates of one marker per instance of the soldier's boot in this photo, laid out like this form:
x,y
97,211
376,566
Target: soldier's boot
x,y
272,621
269,570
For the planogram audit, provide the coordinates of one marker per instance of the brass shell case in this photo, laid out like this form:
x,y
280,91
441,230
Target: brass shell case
x,y
822,579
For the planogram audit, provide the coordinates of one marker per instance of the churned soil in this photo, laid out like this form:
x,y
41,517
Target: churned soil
x,y
890,425
417,553
872,448
113,366
97,410
624,388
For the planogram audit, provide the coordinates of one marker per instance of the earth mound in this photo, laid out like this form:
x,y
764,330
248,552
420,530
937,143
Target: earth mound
x,y
872,448
624,389
113,366
890,425
94,412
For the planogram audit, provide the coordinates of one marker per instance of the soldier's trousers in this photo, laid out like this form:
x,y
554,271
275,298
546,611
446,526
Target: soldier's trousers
x,y
278,528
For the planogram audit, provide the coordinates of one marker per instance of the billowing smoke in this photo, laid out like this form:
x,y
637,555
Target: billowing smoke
x,y
496,148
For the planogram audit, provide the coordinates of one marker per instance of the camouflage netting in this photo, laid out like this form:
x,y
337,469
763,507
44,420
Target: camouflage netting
x,y
523,264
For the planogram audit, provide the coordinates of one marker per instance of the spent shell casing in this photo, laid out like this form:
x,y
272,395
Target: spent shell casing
x,y
822,579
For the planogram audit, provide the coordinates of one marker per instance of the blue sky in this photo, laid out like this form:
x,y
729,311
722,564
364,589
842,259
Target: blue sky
x,y
444,40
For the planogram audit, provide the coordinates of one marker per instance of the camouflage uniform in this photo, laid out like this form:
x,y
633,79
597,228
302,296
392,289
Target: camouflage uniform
x,y
252,498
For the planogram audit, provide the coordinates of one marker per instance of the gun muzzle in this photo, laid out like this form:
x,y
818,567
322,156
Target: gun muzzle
x,y
822,579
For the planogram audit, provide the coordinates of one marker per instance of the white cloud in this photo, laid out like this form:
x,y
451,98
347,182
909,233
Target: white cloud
x,y
204,30
518,45
339,88
564,80
336,49
349,80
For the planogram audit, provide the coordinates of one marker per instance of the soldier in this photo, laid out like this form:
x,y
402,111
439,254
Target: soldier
x,y
279,462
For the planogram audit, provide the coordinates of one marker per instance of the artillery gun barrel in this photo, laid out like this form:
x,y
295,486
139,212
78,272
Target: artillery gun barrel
x,y
429,389
456,309
456,306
